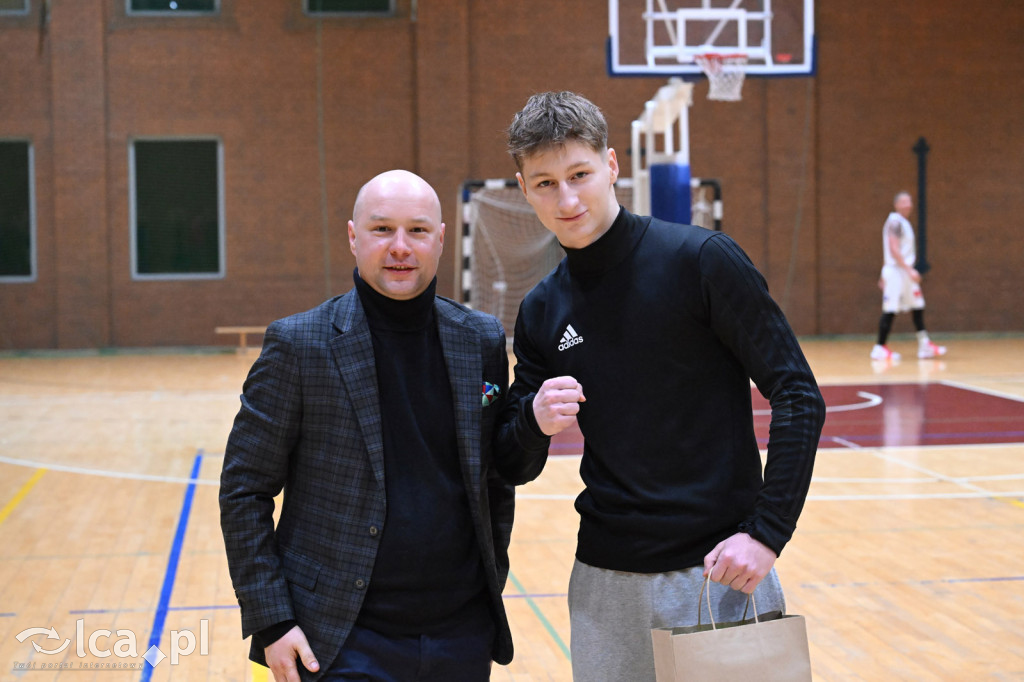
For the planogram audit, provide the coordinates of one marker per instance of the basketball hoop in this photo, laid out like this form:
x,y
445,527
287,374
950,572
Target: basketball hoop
x,y
725,74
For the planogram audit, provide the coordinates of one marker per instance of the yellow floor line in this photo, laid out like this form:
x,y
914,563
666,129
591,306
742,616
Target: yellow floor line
x,y
16,500
259,673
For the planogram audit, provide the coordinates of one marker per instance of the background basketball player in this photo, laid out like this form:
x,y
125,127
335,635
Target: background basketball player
x,y
901,282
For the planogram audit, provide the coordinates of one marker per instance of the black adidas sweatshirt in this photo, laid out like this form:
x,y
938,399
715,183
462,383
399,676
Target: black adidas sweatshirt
x,y
665,325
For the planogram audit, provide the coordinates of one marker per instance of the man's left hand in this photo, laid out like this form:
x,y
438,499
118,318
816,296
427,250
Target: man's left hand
x,y
739,562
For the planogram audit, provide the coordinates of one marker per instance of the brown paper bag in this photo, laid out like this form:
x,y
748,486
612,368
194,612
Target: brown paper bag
x,y
769,647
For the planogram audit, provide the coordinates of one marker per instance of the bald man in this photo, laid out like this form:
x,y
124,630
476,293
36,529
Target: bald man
x,y
900,283
374,412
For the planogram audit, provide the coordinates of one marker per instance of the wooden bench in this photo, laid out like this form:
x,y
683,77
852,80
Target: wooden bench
x,y
242,333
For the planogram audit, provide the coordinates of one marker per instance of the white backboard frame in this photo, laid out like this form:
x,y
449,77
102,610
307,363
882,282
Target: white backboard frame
x,y
677,30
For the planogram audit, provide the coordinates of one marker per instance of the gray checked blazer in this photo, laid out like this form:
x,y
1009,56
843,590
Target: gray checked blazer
x,y
310,425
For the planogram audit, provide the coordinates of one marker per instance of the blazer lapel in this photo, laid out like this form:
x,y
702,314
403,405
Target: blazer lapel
x,y
353,354
461,346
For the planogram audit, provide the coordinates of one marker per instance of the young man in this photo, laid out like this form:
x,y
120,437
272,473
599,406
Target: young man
x,y
374,413
668,324
901,282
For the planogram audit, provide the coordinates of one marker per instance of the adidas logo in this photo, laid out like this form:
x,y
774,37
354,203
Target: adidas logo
x,y
569,339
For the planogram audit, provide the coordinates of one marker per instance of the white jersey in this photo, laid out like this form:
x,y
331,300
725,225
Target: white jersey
x,y
899,226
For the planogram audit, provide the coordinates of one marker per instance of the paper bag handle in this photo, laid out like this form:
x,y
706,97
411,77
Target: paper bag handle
x,y
705,591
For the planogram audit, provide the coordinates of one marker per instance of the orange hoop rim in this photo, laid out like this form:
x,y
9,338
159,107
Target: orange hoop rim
x,y
718,56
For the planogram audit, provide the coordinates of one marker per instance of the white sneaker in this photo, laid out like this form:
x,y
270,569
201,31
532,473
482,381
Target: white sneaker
x,y
930,350
883,353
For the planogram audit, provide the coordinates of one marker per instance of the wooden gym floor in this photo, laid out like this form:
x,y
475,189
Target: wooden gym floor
x,y
908,562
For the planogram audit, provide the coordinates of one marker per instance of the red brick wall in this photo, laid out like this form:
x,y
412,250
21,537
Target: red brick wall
x,y
890,73
808,165
28,311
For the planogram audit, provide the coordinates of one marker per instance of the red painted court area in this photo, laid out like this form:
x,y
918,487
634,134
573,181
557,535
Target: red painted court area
x,y
890,415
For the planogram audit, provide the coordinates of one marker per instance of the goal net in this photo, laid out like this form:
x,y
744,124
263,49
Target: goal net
x,y
505,250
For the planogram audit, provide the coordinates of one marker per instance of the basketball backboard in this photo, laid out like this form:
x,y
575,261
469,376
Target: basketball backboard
x,y
663,37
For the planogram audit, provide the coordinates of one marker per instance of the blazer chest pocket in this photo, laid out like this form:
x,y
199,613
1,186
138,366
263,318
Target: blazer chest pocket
x,y
300,570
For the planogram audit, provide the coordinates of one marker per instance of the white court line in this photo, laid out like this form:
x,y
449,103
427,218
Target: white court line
x,y
922,496
986,391
958,479
841,498
979,492
870,400
963,482
933,477
850,445
1000,477
109,474
928,472
839,479
976,492
923,446
116,397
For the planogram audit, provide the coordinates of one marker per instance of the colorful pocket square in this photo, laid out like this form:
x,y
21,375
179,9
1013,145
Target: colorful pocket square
x,y
490,393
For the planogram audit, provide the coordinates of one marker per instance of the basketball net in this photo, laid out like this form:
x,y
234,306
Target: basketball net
x,y
725,74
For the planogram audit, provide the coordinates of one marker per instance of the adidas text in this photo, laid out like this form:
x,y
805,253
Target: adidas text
x,y
569,344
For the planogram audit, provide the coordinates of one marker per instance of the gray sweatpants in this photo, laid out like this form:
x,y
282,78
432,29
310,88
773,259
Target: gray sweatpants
x,y
611,614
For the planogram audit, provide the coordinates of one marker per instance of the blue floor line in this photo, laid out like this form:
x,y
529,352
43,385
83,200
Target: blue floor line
x,y
160,618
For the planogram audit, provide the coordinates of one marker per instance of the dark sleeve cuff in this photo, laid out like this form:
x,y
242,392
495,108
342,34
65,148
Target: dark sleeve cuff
x,y
524,449
768,529
268,636
528,431
531,419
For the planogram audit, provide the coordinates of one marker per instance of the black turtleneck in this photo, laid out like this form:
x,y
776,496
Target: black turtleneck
x,y
610,249
665,325
428,569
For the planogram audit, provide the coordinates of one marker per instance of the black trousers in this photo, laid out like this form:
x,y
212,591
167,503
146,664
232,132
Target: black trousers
x,y
462,653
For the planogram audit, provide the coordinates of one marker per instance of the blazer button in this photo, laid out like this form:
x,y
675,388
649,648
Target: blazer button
x,y
374,531
360,584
